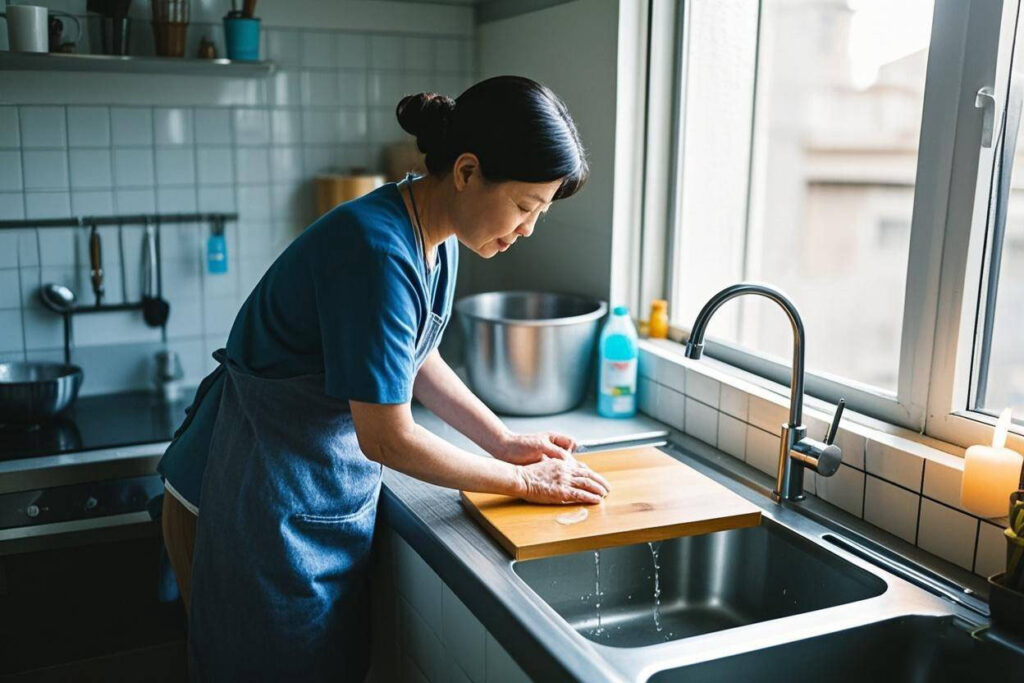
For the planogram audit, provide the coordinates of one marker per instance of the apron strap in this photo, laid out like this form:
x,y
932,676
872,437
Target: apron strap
x,y
220,355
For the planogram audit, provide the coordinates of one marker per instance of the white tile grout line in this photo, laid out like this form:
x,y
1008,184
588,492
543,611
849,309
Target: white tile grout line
x,y
21,296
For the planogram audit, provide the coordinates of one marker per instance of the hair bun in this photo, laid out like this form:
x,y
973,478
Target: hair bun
x,y
427,116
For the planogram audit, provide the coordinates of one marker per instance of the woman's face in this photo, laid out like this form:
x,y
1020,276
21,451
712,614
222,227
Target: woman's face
x,y
491,216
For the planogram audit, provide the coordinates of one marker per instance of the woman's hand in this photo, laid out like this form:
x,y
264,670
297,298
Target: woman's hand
x,y
557,480
523,449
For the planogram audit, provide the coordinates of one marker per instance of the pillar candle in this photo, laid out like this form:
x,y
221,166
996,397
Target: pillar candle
x,y
991,474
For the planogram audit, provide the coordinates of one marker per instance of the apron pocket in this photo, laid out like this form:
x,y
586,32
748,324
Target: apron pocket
x,y
307,520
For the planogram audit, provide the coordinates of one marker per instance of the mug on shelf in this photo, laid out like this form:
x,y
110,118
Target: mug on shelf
x,y
170,26
56,32
242,37
27,28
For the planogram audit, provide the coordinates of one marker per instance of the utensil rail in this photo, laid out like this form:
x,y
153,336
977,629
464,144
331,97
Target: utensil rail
x,y
88,221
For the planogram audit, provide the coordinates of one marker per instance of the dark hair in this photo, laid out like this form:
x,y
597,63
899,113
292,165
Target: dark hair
x,y
517,128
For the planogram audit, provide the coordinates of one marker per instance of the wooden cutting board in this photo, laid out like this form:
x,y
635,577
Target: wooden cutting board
x,y
654,497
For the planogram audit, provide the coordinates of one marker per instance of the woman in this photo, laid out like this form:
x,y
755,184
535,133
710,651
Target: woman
x,y
286,440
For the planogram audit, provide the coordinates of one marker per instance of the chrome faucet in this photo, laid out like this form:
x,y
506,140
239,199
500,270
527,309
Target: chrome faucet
x,y
796,450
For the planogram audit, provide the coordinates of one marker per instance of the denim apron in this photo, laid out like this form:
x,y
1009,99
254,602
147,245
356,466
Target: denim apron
x,y
279,578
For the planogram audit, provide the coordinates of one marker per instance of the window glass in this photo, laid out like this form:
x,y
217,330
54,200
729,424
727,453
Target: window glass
x,y
805,182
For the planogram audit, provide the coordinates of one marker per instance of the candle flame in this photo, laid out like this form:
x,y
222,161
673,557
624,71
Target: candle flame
x,y
1002,426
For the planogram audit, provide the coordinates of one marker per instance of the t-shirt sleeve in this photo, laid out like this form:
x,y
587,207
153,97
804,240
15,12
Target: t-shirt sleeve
x,y
367,308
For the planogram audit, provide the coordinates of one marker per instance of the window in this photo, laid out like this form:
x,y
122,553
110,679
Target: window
x,y
998,371
833,148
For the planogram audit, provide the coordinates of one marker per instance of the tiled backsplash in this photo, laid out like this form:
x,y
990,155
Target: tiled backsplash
x,y
899,485
329,104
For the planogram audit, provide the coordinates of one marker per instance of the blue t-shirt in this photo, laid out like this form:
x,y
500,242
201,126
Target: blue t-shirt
x,y
351,297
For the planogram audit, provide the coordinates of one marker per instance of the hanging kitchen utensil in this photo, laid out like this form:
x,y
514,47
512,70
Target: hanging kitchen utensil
x,y
121,261
96,264
57,298
154,309
60,299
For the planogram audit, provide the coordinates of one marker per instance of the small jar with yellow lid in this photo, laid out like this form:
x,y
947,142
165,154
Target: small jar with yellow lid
x,y
658,324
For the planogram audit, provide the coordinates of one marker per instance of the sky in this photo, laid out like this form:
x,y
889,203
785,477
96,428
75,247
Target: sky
x,y
883,31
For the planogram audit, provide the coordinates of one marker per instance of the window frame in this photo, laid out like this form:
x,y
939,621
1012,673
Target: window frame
x,y
951,190
960,288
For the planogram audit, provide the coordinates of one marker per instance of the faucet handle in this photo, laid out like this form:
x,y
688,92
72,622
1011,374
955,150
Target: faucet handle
x,y
833,429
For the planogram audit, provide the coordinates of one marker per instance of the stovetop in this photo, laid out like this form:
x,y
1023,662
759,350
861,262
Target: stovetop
x,y
93,422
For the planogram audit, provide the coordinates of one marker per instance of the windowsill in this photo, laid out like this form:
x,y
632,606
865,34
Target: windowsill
x,y
817,412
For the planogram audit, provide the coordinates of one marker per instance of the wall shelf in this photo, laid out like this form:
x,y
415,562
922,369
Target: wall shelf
x,y
55,61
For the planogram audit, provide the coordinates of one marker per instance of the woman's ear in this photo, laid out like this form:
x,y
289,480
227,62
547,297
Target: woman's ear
x,y
465,167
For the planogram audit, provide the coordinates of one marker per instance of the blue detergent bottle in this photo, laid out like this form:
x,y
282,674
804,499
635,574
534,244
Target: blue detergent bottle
x,y
617,361
217,250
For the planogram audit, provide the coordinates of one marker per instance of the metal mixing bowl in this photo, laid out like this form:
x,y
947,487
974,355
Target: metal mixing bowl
x,y
529,353
34,393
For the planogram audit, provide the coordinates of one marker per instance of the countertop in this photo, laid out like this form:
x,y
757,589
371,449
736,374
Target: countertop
x,y
432,520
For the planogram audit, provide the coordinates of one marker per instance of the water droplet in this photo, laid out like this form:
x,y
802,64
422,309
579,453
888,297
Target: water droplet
x,y
573,517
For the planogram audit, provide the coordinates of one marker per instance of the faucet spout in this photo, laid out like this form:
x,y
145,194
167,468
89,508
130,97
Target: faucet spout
x,y
796,451
695,344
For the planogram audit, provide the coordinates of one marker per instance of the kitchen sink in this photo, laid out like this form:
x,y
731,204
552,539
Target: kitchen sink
x,y
645,594
898,650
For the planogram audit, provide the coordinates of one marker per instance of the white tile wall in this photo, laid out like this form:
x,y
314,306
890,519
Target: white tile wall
x,y
173,126
11,334
134,167
12,205
732,435
131,126
991,557
45,169
212,126
9,127
43,127
762,450
702,388
10,171
947,533
892,508
733,402
701,421
894,465
90,168
766,415
844,489
88,127
255,155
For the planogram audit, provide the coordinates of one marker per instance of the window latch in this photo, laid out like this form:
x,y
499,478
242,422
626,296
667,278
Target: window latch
x,y
986,101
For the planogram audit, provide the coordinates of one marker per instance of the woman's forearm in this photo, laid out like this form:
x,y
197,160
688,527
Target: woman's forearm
x,y
388,434
418,453
443,393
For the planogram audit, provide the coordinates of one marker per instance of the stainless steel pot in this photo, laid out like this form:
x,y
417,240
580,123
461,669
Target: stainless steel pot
x,y
34,393
529,353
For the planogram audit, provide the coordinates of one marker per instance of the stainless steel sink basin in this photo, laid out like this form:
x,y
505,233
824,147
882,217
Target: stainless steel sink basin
x,y
898,650
702,584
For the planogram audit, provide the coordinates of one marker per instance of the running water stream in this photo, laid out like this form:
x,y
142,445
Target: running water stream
x,y
657,584
597,592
